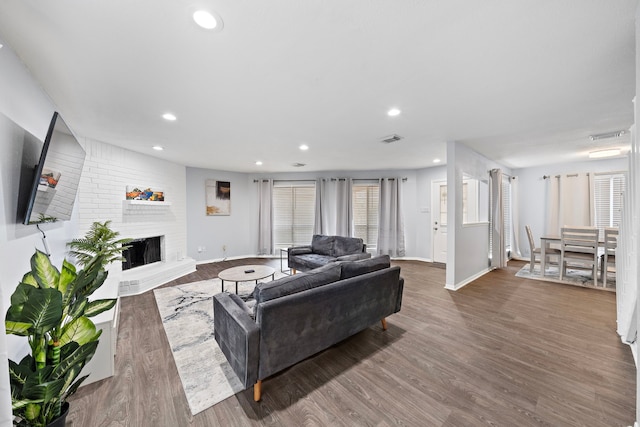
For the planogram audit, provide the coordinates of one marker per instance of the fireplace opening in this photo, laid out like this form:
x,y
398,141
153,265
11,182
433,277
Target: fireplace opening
x,y
142,252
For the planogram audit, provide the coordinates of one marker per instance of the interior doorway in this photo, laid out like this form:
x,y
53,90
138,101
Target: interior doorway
x,y
439,220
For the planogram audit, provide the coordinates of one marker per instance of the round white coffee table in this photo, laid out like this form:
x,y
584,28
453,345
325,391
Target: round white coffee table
x,y
246,273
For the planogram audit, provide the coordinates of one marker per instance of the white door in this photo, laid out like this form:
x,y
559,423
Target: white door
x,y
439,220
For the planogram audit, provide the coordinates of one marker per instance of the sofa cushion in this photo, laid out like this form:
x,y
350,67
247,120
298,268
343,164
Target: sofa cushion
x,y
346,246
322,245
310,261
356,268
296,283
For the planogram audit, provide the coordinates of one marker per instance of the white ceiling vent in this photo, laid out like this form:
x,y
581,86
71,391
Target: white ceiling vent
x,y
391,138
298,165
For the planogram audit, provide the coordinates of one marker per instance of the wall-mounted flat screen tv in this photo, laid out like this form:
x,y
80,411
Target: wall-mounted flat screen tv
x,y
57,175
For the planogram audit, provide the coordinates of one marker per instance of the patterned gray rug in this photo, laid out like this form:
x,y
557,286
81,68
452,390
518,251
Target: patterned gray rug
x,y
187,317
573,277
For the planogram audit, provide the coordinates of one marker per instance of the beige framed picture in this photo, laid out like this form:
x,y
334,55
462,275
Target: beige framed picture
x,y
218,197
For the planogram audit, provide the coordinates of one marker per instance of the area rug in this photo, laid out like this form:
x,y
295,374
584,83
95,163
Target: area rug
x,y
573,277
187,316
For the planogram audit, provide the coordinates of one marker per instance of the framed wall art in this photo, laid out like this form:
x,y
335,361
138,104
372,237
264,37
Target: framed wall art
x,y
218,197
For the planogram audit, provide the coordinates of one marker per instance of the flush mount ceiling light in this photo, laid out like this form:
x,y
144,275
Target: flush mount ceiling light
x,y
607,135
169,117
393,112
207,20
604,153
258,163
436,160
158,148
304,147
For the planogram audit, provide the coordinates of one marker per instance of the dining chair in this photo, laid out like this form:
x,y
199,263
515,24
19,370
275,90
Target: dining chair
x,y
609,254
537,252
579,247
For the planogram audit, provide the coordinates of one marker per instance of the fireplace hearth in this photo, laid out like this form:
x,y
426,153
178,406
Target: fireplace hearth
x,y
142,252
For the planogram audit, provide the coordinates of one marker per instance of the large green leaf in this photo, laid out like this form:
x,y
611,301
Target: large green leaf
x,y
29,279
39,386
79,357
43,271
18,373
17,328
67,275
98,306
21,403
43,310
81,330
77,308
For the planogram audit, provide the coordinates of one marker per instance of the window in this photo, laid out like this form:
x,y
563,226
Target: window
x,y
293,213
365,199
608,191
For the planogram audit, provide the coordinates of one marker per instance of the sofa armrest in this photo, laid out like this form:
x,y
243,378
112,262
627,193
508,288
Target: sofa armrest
x,y
238,337
354,257
299,250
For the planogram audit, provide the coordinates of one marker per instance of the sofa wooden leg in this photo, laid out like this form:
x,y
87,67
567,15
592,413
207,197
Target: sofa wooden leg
x,y
384,324
257,391
293,271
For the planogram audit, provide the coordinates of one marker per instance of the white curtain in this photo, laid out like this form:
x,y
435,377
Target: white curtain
x,y
569,202
515,217
265,217
390,220
320,225
344,210
498,250
627,272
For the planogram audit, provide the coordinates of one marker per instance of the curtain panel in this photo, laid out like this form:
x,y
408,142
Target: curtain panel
x,y
265,217
498,249
569,202
390,218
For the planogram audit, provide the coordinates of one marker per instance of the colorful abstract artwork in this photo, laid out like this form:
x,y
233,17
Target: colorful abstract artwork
x,y
218,197
140,192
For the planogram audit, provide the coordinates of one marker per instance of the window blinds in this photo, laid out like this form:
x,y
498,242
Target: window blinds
x,y
608,191
294,213
365,201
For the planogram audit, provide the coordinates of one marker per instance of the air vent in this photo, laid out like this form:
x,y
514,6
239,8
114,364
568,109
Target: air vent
x,y
391,138
298,165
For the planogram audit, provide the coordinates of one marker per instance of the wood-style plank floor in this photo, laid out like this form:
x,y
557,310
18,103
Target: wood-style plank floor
x,y
502,351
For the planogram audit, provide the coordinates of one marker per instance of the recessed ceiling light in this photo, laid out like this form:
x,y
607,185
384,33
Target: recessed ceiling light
x,y
1,45
259,163
604,153
393,112
207,20
304,147
436,160
168,116
158,148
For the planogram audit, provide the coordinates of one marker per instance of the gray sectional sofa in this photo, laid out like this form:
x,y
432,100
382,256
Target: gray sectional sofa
x,y
298,316
325,249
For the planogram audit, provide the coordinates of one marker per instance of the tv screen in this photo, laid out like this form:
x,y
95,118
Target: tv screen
x,y
57,175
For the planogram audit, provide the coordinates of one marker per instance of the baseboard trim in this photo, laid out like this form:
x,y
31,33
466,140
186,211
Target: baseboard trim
x,y
466,281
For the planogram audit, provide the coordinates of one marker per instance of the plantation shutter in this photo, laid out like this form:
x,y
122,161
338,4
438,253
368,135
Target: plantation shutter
x,y
294,213
365,200
608,191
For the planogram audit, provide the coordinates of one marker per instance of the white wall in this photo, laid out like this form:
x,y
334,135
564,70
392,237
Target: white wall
x,y
532,192
238,231
468,244
26,104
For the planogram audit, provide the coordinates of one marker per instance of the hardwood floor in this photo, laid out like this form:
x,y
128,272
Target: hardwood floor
x,y
502,351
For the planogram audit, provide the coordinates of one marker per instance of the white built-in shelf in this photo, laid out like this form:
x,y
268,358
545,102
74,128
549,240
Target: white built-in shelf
x,y
126,203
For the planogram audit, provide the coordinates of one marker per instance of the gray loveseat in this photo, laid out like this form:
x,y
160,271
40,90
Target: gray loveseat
x,y
325,249
298,316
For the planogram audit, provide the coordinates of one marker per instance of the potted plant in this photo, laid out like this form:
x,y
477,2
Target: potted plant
x,y
52,309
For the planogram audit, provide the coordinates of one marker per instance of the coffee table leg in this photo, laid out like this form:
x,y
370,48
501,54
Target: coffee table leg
x,y
222,285
236,288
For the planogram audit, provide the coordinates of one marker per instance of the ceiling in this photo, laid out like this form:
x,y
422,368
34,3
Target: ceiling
x,y
523,83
